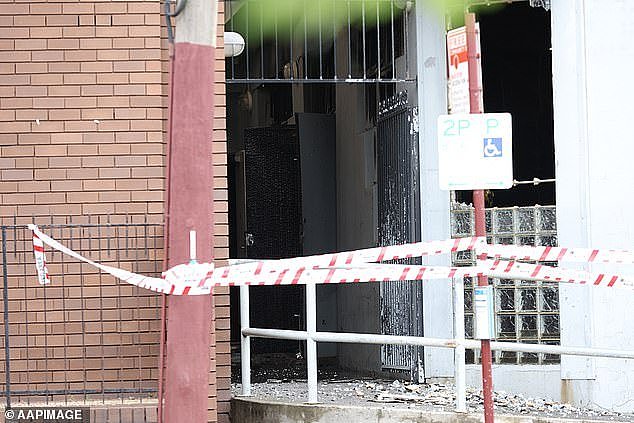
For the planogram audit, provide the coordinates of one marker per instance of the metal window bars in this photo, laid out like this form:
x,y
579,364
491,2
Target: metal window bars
x,y
525,311
313,41
86,338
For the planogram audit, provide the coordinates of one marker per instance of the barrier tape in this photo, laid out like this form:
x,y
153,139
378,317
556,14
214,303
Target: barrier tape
x,y
293,275
578,255
301,275
40,261
351,267
509,269
180,280
354,257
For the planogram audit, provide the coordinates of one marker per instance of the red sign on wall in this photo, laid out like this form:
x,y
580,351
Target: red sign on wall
x,y
458,72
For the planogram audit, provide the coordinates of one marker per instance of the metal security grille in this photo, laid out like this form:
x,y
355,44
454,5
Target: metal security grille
x,y
319,41
525,311
273,192
86,337
273,224
399,222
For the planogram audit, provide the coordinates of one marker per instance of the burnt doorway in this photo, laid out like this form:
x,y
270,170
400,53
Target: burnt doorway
x,y
270,225
398,195
517,78
286,207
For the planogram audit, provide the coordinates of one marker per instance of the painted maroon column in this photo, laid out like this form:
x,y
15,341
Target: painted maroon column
x,y
477,106
190,207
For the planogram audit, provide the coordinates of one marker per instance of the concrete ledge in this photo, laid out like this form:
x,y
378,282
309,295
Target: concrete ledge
x,y
249,410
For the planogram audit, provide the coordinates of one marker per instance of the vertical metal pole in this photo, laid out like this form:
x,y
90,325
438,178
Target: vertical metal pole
x,y
321,58
378,42
311,345
476,105
392,30
363,36
233,58
305,49
246,39
277,54
334,38
290,28
349,44
459,353
5,301
406,40
191,207
245,343
261,40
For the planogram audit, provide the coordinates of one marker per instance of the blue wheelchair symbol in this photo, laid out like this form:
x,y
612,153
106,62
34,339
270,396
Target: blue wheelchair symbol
x,y
492,147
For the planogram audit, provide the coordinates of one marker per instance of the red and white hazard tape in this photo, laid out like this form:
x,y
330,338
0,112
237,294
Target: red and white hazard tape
x,y
178,280
505,269
292,275
359,266
298,275
355,257
578,255
40,261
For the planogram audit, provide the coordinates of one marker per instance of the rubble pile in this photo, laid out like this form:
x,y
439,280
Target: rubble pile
x,y
429,397
444,395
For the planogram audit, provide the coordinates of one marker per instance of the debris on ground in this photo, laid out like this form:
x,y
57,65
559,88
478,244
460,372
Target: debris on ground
x,y
428,397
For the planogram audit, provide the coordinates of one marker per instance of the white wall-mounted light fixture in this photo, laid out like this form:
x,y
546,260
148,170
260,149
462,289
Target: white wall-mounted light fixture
x,y
234,44
403,4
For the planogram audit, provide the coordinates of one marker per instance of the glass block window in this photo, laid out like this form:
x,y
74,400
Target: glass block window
x,y
525,311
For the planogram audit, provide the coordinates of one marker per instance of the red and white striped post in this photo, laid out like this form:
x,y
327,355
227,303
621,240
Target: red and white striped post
x,y
190,208
477,106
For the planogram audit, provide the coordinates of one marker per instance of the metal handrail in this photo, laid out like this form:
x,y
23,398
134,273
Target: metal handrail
x,y
459,343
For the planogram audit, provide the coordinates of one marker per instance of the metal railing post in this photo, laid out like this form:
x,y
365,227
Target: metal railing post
x,y
5,299
311,344
459,351
245,342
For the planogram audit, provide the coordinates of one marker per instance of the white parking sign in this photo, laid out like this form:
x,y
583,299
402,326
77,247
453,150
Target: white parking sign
x,y
475,151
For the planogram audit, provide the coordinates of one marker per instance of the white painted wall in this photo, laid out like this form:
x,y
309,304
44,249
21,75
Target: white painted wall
x,y
532,381
432,102
593,58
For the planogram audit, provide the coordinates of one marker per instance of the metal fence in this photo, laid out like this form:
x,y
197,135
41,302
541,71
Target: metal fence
x,y
526,311
86,337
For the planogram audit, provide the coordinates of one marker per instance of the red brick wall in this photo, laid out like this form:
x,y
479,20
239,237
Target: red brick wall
x,y
83,95
221,239
86,331
82,121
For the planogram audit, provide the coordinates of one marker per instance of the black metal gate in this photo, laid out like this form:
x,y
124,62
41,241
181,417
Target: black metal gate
x,y
399,222
273,199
